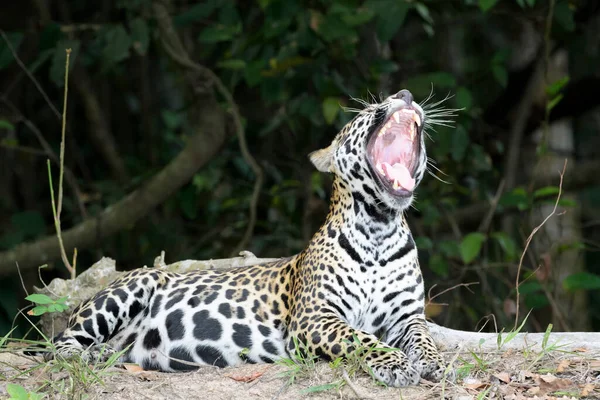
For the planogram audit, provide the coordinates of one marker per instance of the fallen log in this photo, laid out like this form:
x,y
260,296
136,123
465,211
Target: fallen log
x,y
104,272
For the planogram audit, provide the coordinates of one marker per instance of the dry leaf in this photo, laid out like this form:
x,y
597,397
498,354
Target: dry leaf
x,y
587,389
548,378
544,270
133,368
433,309
510,307
550,383
580,350
472,383
247,378
534,390
595,365
564,364
503,377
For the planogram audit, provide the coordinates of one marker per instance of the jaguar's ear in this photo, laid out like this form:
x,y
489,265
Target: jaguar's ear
x,y
323,159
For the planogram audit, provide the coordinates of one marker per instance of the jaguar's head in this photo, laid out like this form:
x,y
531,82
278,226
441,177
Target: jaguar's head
x,y
381,152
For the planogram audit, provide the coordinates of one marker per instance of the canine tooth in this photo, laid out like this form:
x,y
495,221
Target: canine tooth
x,y
417,119
396,116
380,169
396,185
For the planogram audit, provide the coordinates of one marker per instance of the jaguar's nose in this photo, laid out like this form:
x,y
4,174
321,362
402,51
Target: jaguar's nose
x,y
404,95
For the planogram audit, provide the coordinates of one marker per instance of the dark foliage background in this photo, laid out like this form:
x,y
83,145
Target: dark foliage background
x,y
525,72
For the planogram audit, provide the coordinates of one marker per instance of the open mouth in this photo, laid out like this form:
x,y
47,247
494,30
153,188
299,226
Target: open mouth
x,y
393,150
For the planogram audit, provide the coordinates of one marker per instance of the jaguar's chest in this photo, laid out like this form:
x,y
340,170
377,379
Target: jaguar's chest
x,y
370,274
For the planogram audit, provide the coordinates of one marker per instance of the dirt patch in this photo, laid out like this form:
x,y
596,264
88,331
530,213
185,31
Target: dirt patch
x,y
499,375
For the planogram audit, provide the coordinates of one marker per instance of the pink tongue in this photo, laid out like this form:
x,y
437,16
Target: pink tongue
x,y
399,173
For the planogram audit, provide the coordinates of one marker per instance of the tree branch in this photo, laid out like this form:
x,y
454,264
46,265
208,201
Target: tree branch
x,y
99,130
200,148
175,48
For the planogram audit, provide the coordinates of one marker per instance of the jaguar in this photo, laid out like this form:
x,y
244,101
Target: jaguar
x,y
357,284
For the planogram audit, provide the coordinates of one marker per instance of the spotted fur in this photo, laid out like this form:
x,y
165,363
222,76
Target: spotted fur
x,y
358,278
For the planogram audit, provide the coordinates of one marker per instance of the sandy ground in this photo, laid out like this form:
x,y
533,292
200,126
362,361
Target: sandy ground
x,y
501,375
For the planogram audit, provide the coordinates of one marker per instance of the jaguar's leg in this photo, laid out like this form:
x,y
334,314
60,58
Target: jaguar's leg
x,y
414,338
327,336
100,318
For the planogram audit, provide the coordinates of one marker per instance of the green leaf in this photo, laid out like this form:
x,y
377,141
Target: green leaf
x,y
140,35
464,99
196,13
507,244
41,59
6,55
117,45
546,191
581,281
530,3
565,202
17,391
390,17
333,27
57,65
536,300
232,64
424,12
218,33
554,88
460,143
39,298
331,108
39,310
319,388
530,287
552,103
358,18
61,307
252,73
449,248
188,202
470,246
485,5
49,36
172,119
564,15
439,265
500,74
423,243
516,198
4,124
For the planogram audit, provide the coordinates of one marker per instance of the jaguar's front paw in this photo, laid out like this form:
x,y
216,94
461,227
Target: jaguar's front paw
x,y
393,369
430,364
98,353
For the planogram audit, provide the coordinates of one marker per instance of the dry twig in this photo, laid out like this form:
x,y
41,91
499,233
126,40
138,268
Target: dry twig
x,y
430,298
537,228
352,386
57,204
29,74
